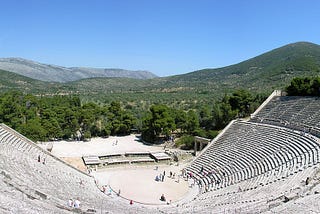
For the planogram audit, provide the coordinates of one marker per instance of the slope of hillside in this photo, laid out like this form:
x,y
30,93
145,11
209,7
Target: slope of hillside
x,y
271,70
53,73
264,73
13,81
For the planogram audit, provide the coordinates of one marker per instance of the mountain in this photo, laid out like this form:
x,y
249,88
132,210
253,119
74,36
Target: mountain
x,y
54,73
271,70
264,73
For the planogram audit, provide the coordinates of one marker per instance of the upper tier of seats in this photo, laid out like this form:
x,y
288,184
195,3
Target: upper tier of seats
x,y
250,167
299,113
247,150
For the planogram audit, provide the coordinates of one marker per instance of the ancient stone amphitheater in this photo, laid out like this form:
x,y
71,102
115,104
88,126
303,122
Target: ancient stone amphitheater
x,y
268,164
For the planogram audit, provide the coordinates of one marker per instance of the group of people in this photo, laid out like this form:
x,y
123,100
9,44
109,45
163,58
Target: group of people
x,y
109,192
172,175
115,143
74,203
161,176
43,160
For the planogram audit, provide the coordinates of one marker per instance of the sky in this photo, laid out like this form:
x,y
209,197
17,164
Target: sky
x,y
166,37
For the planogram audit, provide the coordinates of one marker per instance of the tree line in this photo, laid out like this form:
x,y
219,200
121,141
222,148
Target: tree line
x,y
62,117
161,121
43,118
304,86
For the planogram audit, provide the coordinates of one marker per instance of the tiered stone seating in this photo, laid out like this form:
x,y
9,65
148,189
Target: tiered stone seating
x,y
299,113
51,182
247,150
240,199
13,200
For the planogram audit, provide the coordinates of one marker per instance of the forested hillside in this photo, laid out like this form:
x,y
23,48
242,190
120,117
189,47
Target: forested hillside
x,y
65,117
11,81
269,71
264,73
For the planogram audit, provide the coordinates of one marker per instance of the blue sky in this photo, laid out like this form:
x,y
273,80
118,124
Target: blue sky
x,y
165,37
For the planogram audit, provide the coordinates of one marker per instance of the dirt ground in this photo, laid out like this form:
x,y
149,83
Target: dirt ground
x,y
135,183
139,184
100,146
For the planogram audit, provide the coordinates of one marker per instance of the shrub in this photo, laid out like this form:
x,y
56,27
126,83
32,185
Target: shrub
x,y
185,142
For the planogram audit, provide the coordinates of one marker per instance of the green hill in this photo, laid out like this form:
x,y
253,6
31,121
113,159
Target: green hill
x,y
264,73
12,81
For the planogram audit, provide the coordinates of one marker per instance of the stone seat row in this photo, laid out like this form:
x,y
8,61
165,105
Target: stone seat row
x,y
301,113
52,179
243,197
247,154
